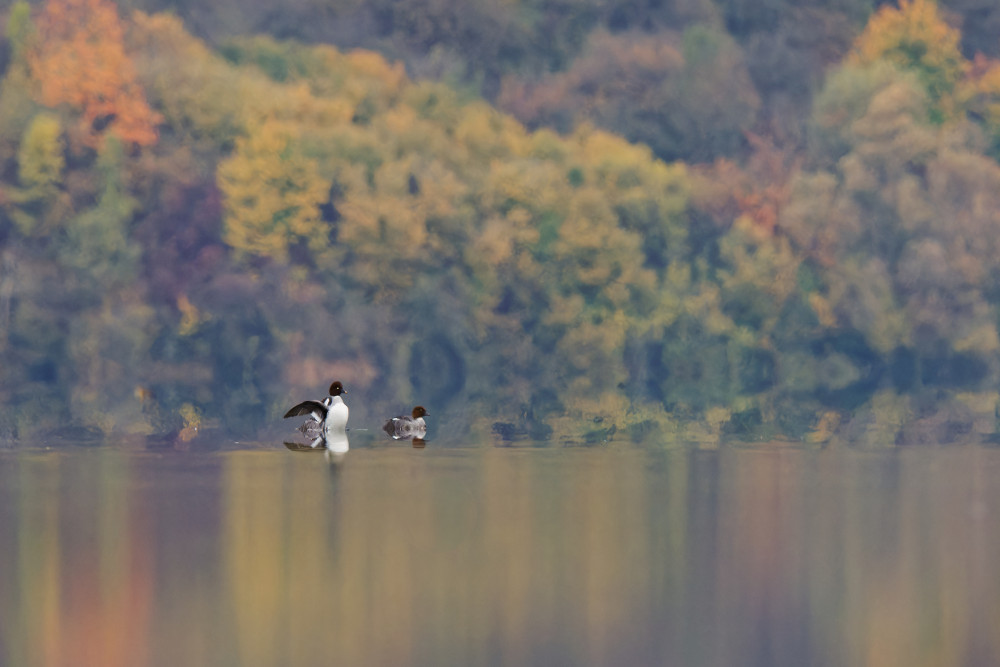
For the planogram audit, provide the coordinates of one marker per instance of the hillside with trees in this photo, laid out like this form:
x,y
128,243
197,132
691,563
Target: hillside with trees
x,y
663,222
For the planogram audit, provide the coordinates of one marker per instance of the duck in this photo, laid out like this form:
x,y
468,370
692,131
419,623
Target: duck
x,y
328,418
406,428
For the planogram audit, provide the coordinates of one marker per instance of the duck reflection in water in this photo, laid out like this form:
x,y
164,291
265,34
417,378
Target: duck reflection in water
x,y
334,445
412,428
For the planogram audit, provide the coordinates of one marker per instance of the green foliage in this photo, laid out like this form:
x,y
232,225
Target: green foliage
x,y
203,101
20,31
97,243
845,99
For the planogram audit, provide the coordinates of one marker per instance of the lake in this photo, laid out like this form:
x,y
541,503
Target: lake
x,y
614,554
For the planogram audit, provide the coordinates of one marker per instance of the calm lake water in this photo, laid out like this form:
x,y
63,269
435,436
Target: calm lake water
x,y
608,555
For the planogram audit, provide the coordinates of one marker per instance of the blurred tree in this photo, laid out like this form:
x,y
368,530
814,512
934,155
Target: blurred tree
x,y
789,62
915,37
272,194
654,89
204,101
888,222
38,305
20,32
108,349
843,100
309,212
79,60
979,96
97,242
40,173
17,106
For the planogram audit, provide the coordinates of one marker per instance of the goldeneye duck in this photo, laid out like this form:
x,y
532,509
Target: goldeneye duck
x,y
328,416
406,428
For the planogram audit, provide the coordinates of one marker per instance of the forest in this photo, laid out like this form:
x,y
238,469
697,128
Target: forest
x,y
659,221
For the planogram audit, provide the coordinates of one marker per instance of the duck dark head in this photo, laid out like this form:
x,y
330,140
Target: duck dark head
x,y
419,411
336,389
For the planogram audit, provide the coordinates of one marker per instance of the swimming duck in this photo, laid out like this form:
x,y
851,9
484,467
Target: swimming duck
x,y
328,416
406,428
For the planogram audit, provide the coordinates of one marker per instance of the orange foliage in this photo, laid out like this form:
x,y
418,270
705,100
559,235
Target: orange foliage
x,y
80,61
762,206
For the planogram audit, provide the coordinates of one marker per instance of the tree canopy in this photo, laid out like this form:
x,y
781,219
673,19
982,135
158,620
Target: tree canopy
x,y
195,234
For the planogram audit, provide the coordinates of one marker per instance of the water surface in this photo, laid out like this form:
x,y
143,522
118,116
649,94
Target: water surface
x,y
771,555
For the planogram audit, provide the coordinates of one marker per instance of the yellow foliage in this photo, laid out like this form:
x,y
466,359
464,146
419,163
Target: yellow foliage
x,y
191,317
825,428
496,241
759,259
272,194
401,130
373,65
980,403
387,215
914,36
982,339
390,215
486,133
823,310
704,305
494,244
192,422
615,161
40,164
300,106
715,417
40,161
535,185
190,415
547,145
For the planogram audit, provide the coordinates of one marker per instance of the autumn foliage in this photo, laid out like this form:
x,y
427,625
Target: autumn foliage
x,y
79,60
310,212
914,36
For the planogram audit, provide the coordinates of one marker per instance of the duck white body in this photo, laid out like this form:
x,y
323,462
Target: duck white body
x,y
336,415
328,417
406,428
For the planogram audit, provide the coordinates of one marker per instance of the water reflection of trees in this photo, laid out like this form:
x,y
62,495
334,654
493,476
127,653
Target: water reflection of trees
x,y
768,556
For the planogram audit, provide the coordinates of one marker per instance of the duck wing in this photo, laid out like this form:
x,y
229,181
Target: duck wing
x,y
314,408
